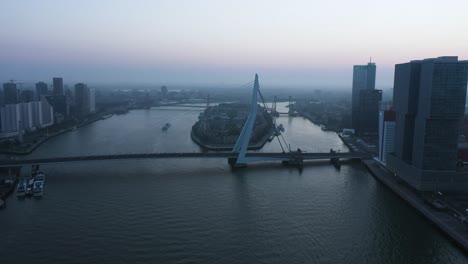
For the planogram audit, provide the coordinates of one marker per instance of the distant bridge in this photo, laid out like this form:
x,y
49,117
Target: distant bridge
x,y
181,105
269,156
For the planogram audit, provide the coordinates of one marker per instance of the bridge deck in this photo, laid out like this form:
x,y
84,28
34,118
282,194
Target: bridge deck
x,y
285,156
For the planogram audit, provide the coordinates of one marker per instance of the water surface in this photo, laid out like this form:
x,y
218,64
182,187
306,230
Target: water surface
x,y
199,211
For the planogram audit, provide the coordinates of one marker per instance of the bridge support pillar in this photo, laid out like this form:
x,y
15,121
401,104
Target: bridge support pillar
x,y
234,164
242,143
232,161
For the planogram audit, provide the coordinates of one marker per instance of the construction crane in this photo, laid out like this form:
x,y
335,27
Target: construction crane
x,y
20,84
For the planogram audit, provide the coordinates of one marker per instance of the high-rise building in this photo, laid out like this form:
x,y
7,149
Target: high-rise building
x,y
69,95
363,79
81,99
429,100
24,117
10,93
386,134
46,113
10,118
58,86
41,89
85,102
60,107
369,106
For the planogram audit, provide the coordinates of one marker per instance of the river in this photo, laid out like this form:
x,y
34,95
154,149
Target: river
x,y
199,211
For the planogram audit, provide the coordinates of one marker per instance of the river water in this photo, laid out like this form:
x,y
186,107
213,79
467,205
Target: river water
x,y
199,211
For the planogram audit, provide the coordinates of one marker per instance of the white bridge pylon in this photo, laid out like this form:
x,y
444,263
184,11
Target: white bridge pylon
x,y
242,142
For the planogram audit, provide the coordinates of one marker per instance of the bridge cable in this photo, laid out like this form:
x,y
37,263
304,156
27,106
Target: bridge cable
x,y
276,127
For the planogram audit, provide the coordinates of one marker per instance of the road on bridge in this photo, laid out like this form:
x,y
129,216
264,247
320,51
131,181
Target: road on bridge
x,y
269,155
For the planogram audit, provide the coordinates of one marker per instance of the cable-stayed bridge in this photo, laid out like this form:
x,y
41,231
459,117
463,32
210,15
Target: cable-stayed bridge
x,y
239,156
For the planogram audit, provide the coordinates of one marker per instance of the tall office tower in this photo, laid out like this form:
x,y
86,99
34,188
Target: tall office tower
x,y
10,93
69,95
46,113
60,107
41,89
82,99
363,79
10,117
58,86
429,100
386,134
369,106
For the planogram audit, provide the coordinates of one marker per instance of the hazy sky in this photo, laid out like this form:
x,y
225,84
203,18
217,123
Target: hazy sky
x,y
297,43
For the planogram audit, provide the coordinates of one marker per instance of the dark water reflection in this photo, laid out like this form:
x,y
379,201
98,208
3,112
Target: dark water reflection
x,y
199,211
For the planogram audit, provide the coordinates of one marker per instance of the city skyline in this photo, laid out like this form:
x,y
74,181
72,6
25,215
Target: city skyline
x,y
214,43
181,131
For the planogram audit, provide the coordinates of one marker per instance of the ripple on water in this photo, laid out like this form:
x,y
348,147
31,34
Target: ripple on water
x,y
199,211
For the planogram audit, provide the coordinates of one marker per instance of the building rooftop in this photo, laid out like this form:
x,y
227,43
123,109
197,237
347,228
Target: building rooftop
x,y
442,59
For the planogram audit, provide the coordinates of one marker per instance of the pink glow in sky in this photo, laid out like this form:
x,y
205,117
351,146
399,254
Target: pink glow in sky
x,y
288,42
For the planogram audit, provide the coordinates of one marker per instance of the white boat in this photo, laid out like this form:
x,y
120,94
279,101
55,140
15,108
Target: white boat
x,y
38,188
40,176
21,188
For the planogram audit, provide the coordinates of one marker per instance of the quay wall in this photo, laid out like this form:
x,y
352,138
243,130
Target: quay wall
x,y
449,225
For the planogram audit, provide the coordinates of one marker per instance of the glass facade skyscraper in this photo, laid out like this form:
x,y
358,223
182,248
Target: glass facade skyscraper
x,y
41,89
10,93
429,100
363,79
58,86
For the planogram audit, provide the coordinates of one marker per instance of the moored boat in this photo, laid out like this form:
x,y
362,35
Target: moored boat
x,y
38,188
40,176
21,188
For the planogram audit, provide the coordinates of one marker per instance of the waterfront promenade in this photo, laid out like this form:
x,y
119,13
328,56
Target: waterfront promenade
x,y
449,224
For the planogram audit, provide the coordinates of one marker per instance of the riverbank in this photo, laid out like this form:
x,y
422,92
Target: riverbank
x,y
322,126
348,142
448,224
40,141
228,147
